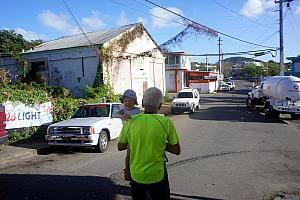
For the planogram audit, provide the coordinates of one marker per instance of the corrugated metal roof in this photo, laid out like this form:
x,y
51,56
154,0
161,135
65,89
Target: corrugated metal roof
x,y
79,40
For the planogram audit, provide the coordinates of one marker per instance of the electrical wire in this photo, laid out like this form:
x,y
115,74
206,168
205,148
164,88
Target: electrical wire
x,y
78,24
221,33
233,12
232,53
119,3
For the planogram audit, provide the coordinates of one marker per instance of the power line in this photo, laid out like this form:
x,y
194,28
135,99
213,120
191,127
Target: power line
x,y
187,19
78,24
232,11
119,3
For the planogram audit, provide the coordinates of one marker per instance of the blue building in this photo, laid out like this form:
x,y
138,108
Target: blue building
x,y
295,66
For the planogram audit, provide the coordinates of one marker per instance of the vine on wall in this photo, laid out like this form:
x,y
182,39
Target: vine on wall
x,y
107,54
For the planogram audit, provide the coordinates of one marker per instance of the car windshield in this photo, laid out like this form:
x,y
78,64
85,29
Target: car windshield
x,y
101,110
185,95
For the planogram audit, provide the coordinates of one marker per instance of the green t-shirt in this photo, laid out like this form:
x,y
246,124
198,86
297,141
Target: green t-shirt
x,y
147,136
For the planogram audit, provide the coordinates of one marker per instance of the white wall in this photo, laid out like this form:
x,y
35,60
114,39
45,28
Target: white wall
x,y
204,87
141,72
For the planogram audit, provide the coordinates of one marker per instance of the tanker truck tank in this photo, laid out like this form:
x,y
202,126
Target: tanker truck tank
x,y
278,94
282,88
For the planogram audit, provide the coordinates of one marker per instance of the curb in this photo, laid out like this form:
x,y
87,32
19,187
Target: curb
x,y
13,155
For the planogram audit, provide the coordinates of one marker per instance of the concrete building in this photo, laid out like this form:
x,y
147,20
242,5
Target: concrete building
x,y
176,64
205,82
72,62
295,71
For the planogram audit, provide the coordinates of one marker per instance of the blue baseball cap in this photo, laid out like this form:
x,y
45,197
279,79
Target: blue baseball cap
x,y
129,93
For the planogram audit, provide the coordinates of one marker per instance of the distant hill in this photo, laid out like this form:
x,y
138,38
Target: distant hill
x,y
239,60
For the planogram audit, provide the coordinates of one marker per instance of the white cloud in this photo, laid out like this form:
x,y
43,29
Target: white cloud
x,y
93,22
298,8
122,19
29,35
167,17
59,22
253,8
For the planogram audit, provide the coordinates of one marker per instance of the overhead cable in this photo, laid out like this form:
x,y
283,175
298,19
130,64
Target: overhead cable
x,y
198,24
81,29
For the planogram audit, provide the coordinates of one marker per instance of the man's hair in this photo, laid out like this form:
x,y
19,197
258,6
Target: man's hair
x,y
152,98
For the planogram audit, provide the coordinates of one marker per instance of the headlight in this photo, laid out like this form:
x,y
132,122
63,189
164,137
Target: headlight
x,y
173,103
89,130
51,130
187,103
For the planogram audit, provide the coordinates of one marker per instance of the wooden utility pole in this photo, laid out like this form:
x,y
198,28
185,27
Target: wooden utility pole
x,y
220,64
281,34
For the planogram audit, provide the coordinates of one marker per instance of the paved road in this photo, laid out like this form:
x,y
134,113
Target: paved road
x,y
228,152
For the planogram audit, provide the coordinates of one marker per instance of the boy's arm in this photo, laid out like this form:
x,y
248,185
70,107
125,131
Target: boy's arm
x,y
174,149
122,146
119,114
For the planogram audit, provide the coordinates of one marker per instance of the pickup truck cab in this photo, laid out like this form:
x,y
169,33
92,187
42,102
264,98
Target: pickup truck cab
x,y
186,100
92,125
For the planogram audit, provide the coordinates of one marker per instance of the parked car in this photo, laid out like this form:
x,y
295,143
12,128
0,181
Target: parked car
x,y
186,100
231,84
224,87
92,125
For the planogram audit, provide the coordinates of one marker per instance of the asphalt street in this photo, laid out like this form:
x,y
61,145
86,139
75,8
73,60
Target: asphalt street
x,y
228,152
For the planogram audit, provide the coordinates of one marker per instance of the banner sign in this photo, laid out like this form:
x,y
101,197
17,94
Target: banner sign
x,y
18,115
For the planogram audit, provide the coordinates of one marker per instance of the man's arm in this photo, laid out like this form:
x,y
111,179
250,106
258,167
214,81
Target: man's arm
x,y
122,146
175,149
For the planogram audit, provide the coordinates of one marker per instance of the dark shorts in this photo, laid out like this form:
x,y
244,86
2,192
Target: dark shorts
x,y
157,191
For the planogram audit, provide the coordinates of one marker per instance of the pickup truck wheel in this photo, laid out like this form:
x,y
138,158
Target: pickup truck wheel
x,y
271,113
295,116
102,141
192,109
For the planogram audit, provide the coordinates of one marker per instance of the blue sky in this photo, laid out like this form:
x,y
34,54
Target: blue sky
x,y
255,21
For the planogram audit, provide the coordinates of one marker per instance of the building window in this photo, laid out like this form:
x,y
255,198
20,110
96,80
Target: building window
x,y
172,59
167,60
177,59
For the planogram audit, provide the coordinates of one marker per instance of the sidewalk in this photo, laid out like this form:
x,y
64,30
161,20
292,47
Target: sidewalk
x,y
11,155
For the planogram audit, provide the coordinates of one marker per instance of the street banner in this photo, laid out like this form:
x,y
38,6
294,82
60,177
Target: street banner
x,y
19,115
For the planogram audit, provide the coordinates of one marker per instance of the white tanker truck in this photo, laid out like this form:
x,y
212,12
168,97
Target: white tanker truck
x,y
278,94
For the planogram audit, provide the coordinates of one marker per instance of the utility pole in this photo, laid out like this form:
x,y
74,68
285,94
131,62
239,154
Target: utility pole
x,y
220,64
281,34
206,63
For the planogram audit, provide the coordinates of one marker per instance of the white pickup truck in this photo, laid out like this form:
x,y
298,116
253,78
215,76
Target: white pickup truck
x,y
92,125
186,100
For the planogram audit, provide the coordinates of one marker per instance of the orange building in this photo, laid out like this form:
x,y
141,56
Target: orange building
x,y
205,82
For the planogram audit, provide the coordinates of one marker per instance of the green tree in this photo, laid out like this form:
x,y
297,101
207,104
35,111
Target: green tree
x,y
11,42
252,70
226,69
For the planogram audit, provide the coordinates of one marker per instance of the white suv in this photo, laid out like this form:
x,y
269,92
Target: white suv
x,y
231,84
186,100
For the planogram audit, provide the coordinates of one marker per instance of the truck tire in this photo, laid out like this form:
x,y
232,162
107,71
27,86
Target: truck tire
x,y
271,113
192,109
249,103
295,116
102,142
